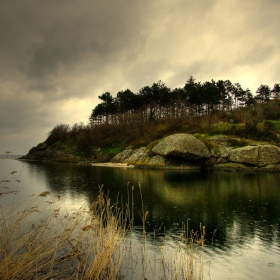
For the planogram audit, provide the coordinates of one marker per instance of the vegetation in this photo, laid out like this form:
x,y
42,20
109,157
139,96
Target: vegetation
x,y
157,111
40,240
194,99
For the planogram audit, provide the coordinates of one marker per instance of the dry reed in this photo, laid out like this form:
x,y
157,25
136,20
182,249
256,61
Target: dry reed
x,y
38,240
41,242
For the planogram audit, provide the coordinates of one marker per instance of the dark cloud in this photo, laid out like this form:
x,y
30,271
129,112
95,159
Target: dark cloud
x,y
57,56
50,40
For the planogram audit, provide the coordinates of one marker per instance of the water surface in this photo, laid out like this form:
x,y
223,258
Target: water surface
x,y
243,207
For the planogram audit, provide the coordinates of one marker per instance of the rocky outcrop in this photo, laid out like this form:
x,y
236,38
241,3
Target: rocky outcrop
x,y
139,156
184,151
157,161
178,151
259,156
268,155
246,155
182,146
122,156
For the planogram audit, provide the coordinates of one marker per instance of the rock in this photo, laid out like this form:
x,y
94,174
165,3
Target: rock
x,y
122,156
139,156
210,162
183,146
157,161
222,146
268,155
261,156
247,155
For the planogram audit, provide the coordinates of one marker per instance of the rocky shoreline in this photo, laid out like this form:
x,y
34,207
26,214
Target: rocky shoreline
x,y
178,151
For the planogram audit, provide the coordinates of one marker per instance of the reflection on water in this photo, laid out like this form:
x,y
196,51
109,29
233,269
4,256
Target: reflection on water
x,y
244,207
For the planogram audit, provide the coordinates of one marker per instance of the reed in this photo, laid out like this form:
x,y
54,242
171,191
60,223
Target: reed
x,y
40,240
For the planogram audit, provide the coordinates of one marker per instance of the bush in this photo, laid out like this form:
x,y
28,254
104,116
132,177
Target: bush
x,y
58,133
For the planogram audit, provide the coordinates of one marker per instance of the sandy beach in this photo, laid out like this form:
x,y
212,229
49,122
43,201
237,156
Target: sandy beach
x,y
110,164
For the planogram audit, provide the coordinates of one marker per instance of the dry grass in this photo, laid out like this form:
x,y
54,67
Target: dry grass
x,y
164,257
38,240
41,242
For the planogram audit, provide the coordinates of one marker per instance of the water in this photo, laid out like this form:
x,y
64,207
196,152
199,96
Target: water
x,y
243,207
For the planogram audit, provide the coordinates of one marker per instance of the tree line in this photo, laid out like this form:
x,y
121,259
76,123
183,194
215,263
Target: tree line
x,y
194,99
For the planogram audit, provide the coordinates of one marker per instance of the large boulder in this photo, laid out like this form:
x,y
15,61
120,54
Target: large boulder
x,y
247,155
268,155
182,146
262,155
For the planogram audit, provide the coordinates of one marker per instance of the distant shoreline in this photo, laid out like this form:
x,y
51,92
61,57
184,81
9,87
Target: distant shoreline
x,y
10,156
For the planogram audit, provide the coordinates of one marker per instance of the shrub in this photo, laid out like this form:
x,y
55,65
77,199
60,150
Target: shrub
x,y
59,132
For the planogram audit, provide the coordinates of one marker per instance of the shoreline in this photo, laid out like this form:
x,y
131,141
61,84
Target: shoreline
x,y
226,167
111,164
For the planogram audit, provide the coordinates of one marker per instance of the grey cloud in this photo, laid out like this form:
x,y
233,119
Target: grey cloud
x,y
256,54
58,37
56,53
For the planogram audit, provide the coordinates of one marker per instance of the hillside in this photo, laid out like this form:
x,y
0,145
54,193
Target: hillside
x,y
221,133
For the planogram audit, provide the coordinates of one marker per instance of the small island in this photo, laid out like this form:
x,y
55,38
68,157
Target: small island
x,y
207,126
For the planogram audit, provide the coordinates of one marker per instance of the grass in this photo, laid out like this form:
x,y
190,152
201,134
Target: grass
x,y
276,124
42,242
39,240
112,150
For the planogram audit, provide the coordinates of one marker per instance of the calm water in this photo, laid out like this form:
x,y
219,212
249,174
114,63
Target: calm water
x,y
243,207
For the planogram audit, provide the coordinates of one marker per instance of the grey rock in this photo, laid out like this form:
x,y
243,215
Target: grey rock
x,y
246,155
261,156
268,155
183,146
222,146
139,156
122,156
157,161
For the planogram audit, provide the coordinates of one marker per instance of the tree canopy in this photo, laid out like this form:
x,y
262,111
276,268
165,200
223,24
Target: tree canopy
x,y
195,98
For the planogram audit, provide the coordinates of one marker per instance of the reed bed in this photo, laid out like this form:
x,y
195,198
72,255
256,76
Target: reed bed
x,y
39,240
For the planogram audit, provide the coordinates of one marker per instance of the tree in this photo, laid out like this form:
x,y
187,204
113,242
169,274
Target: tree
x,y
225,89
239,95
211,95
263,94
99,110
177,102
107,107
154,98
108,103
161,96
276,92
249,99
127,101
193,94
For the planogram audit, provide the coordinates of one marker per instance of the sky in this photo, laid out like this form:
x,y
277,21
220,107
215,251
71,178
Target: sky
x,y
57,56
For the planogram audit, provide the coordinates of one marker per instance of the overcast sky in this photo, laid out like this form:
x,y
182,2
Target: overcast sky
x,y
57,56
